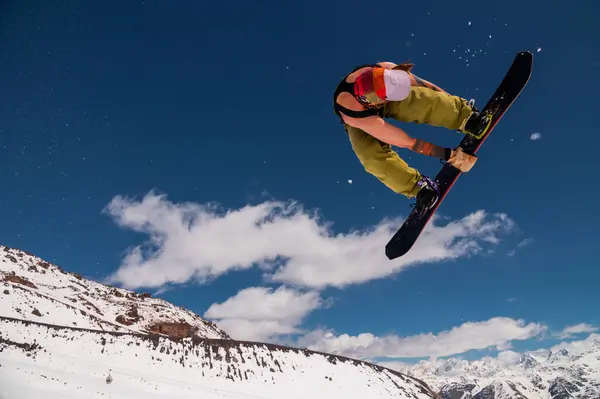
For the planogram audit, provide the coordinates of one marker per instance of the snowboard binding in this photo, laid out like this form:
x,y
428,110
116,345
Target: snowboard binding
x,y
478,124
427,197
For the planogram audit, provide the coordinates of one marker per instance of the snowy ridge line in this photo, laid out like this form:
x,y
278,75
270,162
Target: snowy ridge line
x,y
92,330
99,320
210,341
225,344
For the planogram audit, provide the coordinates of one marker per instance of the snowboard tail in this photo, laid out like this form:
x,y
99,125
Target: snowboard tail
x,y
506,93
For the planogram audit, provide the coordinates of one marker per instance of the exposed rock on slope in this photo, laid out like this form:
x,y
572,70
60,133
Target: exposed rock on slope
x,y
33,289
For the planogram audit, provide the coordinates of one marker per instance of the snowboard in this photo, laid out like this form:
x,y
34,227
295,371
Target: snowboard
x,y
506,93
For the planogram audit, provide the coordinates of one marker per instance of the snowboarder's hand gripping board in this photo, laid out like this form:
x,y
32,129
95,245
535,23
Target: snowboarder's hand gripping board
x,y
461,160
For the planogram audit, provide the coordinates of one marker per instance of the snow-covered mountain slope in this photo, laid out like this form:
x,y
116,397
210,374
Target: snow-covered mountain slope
x,y
62,335
59,362
33,289
534,375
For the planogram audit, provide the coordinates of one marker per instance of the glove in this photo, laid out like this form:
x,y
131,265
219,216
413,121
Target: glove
x,y
461,160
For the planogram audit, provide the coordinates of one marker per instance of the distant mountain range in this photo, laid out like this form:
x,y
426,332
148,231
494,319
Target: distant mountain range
x,y
540,374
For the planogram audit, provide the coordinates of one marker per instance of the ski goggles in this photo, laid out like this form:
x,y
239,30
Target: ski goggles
x,y
379,85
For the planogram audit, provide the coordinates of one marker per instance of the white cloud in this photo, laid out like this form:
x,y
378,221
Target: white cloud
x,y
190,241
260,314
507,358
394,365
569,331
494,333
524,242
535,136
580,346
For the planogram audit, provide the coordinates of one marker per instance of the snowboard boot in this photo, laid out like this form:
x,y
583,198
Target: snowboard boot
x,y
478,124
427,197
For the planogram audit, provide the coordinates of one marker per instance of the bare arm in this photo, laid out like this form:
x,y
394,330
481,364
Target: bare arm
x,y
387,65
423,82
390,134
381,130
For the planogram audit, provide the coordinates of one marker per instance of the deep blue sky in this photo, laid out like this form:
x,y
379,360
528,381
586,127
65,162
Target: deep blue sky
x,y
225,101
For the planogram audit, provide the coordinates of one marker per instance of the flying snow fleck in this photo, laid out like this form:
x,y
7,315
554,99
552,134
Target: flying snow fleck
x,y
535,136
349,181
539,49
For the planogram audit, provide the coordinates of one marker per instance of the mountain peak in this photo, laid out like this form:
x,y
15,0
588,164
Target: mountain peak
x,y
527,361
560,375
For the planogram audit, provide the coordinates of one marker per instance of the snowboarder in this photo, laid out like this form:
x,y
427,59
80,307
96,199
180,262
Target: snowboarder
x,y
386,90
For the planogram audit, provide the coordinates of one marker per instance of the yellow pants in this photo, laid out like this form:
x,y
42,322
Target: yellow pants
x,y
423,105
